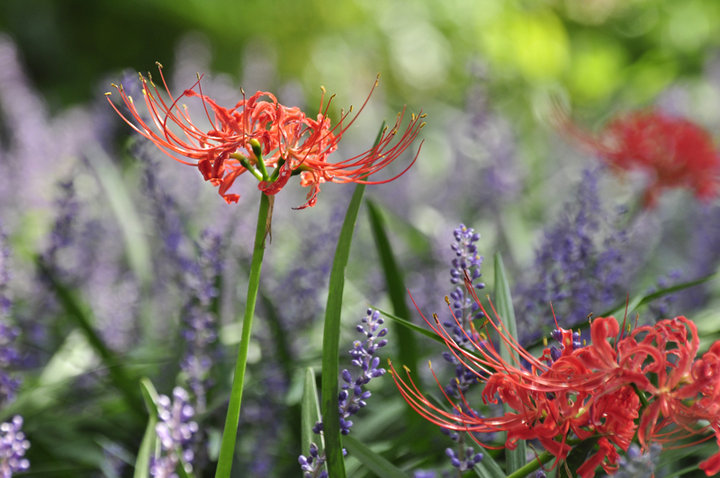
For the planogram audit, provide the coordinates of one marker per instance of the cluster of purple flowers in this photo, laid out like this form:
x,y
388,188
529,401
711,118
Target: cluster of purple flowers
x,y
353,395
581,266
12,448
12,440
556,352
636,464
175,431
313,465
199,316
466,260
465,459
9,356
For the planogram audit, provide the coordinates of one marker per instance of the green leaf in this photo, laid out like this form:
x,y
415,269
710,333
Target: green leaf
x,y
415,328
279,336
149,442
488,468
310,411
331,340
331,334
374,462
78,311
117,194
395,283
643,300
142,463
504,308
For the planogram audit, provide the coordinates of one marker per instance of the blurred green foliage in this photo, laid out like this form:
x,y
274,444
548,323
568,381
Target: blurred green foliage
x,y
593,50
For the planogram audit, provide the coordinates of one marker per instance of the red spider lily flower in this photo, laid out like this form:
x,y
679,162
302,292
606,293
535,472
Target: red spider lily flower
x,y
711,466
673,152
648,383
260,133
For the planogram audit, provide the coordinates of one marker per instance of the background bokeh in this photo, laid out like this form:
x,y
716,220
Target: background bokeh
x,y
123,223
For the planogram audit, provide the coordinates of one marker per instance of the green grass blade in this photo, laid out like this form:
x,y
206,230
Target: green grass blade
x,y
150,396
639,302
142,463
374,462
488,468
331,340
118,196
503,305
279,336
80,313
410,326
407,346
310,411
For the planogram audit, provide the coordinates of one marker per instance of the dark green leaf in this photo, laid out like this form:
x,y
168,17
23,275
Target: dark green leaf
x,y
407,347
331,340
142,463
310,411
504,307
374,462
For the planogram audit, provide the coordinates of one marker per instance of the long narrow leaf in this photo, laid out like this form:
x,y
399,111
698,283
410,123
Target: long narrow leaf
x,y
504,307
646,299
148,444
79,312
310,410
395,282
121,203
279,336
331,340
142,463
488,468
374,462
409,325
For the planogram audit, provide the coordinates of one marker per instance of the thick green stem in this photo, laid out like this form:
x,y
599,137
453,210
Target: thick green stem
x,y
227,446
532,465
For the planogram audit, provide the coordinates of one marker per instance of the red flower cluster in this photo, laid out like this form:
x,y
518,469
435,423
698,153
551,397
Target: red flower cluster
x,y
648,383
260,133
673,151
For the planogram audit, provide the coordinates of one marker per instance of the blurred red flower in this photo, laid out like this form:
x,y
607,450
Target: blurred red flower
x,y
673,152
260,133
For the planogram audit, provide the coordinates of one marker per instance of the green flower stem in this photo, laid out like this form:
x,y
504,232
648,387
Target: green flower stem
x,y
257,151
246,164
532,465
227,446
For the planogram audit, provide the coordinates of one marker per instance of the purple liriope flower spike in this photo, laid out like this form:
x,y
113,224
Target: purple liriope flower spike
x,y
581,266
174,432
9,356
637,464
200,323
466,262
465,461
352,396
12,448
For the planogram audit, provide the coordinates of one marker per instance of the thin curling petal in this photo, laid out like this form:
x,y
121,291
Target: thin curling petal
x,y
220,141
